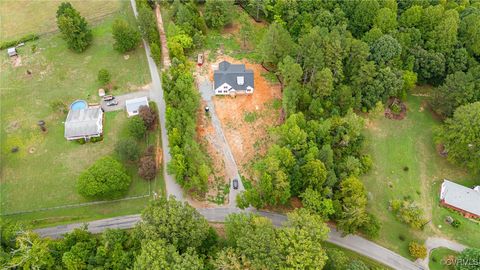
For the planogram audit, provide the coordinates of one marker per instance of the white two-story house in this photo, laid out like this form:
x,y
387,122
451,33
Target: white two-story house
x,y
232,79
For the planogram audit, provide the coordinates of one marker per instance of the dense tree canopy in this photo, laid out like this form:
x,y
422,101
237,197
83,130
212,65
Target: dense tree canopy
x,y
461,136
218,13
177,223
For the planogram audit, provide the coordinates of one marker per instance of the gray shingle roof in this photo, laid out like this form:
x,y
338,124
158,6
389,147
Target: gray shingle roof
x,y
133,105
83,122
228,73
461,197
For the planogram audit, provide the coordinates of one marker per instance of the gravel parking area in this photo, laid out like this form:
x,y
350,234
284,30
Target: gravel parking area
x,y
121,100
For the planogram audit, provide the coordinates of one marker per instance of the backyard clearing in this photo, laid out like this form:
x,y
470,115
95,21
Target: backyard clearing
x,y
25,17
42,174
246,119
407,166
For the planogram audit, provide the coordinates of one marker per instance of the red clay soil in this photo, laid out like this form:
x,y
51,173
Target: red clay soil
x,y
241,135
206,136
163,38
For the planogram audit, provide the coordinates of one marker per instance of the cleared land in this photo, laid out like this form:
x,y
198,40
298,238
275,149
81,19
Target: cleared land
x,y
24,17
396,145
246,118
44,171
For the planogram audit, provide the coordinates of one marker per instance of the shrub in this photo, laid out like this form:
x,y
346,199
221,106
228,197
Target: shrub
x,y
147,169
468,259
395,108
127,149
126,37
417,251
409,213
103,76
13,43
149,116
401,237
455,223
96,139
250,117
156,52
371,227
136,127
106,178
58,106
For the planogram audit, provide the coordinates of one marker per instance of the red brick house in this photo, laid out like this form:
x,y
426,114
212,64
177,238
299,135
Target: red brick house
x,y
460,198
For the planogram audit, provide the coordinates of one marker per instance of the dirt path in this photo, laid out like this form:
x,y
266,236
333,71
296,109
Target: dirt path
x,y
425,183
163,38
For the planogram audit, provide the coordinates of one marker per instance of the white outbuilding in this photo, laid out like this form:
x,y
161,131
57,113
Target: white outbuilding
x,y
133,105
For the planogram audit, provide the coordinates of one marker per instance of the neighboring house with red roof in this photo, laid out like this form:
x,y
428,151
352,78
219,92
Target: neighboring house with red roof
x,y
460,198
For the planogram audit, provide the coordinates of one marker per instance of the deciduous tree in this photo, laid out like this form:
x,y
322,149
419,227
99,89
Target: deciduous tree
x,y
126,37
106,178
461,136
177,223
218,13
74,28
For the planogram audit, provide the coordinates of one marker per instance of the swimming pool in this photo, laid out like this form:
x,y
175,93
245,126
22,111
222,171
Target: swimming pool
x,y
78,105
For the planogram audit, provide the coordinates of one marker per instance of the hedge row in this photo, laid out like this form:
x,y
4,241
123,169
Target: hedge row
x,y
12,43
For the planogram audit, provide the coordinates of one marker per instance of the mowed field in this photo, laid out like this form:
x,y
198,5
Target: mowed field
x,y
395,145
21,17
43,173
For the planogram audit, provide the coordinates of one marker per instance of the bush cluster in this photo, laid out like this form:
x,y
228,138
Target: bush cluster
x,y
12,43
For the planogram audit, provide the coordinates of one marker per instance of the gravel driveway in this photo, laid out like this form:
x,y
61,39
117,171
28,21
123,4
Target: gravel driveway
x,y
231,169
121,100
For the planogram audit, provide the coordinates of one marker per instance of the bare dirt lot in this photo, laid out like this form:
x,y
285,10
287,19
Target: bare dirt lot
x,y
246,118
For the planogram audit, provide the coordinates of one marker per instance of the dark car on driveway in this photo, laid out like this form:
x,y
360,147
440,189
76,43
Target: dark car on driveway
x,y
235,183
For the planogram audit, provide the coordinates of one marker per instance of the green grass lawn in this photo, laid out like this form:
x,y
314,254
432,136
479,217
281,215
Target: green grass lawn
x,y
395,145
43,173
228,38
36,16
372,264
440,259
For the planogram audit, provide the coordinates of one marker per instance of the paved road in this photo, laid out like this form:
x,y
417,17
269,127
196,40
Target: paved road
x,y
156,94
355,243
231,169
436,242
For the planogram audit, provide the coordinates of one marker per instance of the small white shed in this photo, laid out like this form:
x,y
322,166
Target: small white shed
x,y
133,105
12,51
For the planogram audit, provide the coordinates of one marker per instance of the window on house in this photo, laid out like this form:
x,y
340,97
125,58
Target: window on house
x,y
240,80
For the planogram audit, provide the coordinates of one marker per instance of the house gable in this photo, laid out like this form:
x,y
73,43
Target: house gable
x,y
235,76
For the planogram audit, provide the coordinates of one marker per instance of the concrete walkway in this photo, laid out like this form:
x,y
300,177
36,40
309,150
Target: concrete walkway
x,y
156,95
354,243
231,169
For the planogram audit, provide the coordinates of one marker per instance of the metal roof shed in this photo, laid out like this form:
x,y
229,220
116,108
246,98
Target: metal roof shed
x,y
133,105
